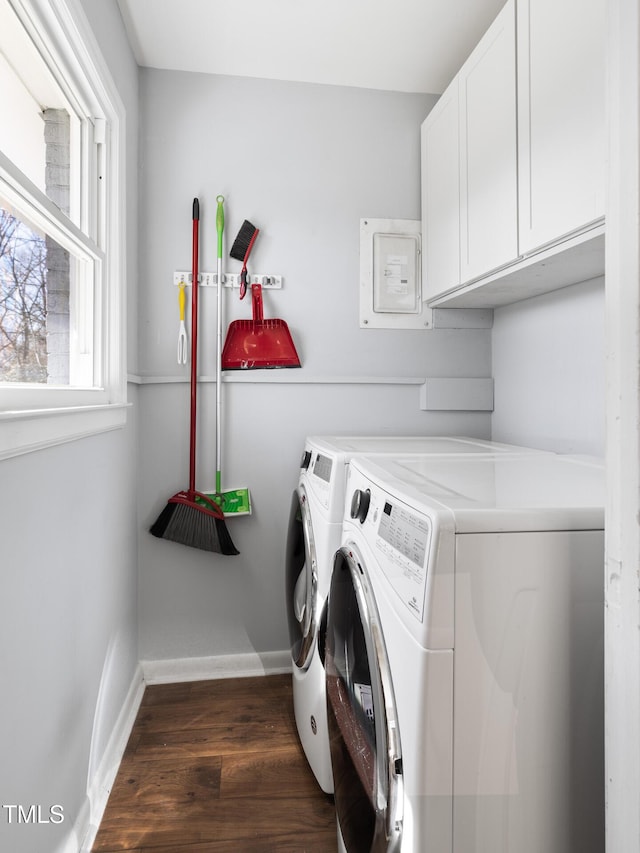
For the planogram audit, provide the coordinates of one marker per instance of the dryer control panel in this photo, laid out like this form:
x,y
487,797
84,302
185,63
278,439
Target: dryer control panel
x,y
319,471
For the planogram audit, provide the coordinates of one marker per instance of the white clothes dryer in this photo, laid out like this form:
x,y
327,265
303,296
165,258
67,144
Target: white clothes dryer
x,y
464,656
314,534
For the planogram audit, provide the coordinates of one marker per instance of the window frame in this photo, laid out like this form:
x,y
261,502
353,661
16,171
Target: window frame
x,y
37,416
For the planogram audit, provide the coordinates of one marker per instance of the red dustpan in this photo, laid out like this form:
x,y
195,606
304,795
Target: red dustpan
x,y
258,343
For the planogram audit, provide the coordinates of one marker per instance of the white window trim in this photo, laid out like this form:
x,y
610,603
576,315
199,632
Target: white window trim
x,y
53,415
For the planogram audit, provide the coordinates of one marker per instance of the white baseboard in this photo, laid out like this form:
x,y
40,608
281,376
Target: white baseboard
x,y
99,787
221,666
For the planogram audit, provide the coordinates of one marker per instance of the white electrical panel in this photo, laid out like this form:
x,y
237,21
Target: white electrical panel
x,y
390,275
396,287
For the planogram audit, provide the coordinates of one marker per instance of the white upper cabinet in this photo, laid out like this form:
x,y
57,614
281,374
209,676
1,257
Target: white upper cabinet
x,y
488,162
469,177
441,195
513,159
561,117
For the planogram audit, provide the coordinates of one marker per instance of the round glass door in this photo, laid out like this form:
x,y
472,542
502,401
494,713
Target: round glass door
x,y
301,580
363,732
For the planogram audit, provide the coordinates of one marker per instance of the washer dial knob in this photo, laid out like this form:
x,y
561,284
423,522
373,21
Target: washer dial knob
x,y
360,504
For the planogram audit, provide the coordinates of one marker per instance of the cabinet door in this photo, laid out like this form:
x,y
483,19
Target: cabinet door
x,y
561,115
488,151
441,196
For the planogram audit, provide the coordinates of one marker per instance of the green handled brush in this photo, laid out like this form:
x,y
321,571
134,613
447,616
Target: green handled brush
x,y
233,501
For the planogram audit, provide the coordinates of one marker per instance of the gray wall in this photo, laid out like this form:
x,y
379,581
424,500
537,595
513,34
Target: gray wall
x,y
549,371
304,163
68,611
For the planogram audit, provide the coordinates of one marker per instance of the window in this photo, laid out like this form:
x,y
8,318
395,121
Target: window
x,y
62,367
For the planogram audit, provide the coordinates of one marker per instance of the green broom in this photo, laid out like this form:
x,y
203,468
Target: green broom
x,y
232,501
190,517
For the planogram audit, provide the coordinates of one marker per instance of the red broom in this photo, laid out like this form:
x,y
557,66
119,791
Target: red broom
x,y
190,517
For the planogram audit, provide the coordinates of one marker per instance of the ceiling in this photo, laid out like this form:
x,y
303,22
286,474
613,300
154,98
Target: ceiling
x,y
399,45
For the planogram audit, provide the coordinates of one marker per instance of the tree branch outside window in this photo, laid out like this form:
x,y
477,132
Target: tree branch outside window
x,y
23,302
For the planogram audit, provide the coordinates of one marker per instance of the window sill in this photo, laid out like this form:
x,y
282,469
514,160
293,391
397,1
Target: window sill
x,y
27,431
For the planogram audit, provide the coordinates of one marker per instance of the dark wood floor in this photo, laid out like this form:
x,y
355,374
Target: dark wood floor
x,y
216,766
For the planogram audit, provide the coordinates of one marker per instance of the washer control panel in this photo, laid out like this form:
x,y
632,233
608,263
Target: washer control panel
x,y
404,531
408,547
403,540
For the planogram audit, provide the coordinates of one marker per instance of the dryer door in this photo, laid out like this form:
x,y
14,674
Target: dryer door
x,y
365,741
301,580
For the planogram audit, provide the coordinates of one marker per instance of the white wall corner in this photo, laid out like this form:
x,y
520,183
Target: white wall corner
x,y
220,666
99,787
457,395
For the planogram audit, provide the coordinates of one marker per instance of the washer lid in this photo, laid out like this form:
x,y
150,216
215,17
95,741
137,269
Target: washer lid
x,y
497,493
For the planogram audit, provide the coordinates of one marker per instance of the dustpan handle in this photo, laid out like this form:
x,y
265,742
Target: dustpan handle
x,y
219,231
256,303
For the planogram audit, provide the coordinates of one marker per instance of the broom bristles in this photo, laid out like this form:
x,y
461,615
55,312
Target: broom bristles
x,y
244,241
188,523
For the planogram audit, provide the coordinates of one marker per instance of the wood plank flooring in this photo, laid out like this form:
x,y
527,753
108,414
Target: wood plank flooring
x,y
216,767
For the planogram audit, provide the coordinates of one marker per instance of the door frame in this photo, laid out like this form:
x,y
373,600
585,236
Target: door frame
x,y
622,558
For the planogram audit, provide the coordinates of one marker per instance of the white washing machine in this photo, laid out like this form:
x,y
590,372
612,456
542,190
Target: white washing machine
x,y
464,656
314,533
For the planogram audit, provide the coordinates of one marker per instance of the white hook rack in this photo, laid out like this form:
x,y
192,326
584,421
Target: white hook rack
x,y
210,279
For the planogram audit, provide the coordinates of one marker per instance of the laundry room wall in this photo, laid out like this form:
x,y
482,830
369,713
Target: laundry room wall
x,y
68,610
549,371
304,163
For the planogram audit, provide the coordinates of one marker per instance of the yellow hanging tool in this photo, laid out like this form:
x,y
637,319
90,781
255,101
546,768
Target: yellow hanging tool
x,y
182,334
